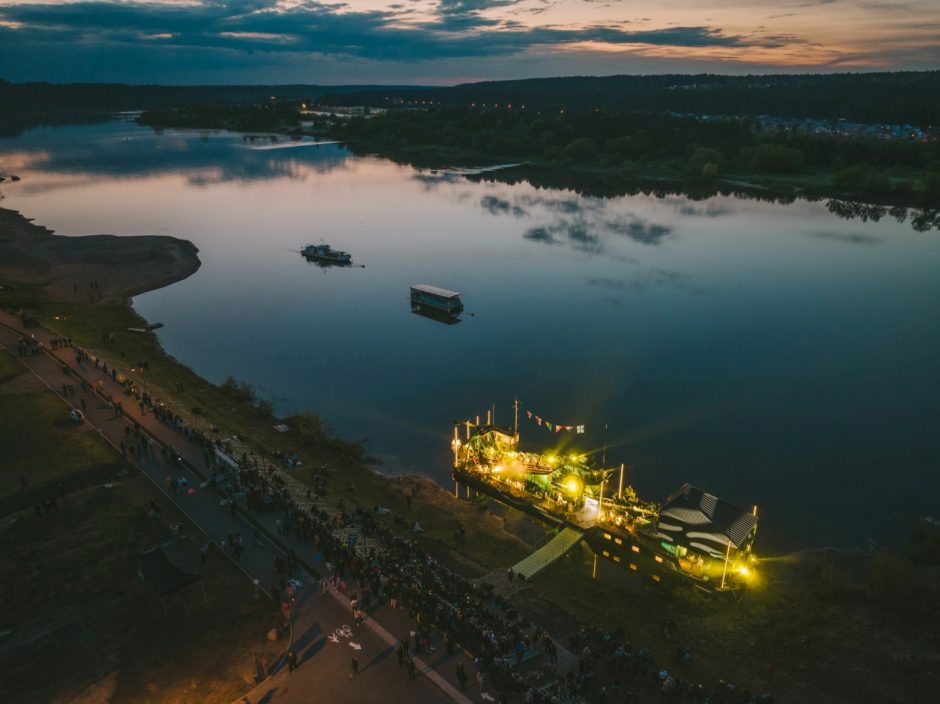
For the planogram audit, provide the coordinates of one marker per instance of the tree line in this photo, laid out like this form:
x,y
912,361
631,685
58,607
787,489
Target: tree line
x,y
906,97
645,143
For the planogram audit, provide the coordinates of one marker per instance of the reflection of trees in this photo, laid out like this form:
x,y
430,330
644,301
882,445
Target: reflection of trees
x,y
602,186
922,219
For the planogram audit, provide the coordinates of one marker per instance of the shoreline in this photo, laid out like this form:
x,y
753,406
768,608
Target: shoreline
x,y
605,181
595,179
813,593
64,266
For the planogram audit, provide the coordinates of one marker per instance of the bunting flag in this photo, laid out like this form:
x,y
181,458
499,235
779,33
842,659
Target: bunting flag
x,y
555,427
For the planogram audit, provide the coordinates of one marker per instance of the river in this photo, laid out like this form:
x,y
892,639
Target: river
x,y
772,354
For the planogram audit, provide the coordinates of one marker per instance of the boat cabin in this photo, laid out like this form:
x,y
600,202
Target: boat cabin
x,y
432,298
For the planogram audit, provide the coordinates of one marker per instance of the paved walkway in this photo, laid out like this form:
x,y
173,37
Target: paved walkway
x,y
323,639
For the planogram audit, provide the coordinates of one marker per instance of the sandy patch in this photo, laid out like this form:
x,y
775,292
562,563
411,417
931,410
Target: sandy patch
x,y
121,267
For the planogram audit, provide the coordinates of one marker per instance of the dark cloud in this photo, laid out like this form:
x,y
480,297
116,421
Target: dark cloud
x,y
540,234
567,206
710,210
638,230
314,28
499,206
581,237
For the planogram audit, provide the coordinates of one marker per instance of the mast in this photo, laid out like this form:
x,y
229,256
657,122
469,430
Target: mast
x,y
515,424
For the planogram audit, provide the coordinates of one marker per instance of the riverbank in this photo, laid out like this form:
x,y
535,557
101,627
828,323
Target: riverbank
x,y
64,267
78,624
822,626
663,178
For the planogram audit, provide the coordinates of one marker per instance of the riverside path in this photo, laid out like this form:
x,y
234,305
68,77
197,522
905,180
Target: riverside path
x,y
325,637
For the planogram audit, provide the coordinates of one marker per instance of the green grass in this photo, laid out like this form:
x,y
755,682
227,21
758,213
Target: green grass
x,y
14,294
10,368
69,585
41,445
824,620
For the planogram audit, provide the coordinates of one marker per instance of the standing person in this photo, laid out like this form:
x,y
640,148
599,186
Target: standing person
x,y
411,669
400,652
462,675
354,665
291,661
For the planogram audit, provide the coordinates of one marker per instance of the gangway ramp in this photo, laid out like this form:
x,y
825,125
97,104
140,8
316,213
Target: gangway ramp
x,y
553,550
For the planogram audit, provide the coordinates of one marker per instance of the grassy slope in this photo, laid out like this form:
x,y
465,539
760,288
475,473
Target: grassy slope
x,y
73,574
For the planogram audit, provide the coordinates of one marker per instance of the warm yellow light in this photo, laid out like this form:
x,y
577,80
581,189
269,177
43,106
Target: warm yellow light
x,y
497,469
744,571
573,485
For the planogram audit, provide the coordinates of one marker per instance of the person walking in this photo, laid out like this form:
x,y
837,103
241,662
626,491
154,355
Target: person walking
x,y
462,676
291,661
411,669
400,652
354,665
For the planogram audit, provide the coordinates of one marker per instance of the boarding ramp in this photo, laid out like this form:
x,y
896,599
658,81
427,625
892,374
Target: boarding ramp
x,y
553,550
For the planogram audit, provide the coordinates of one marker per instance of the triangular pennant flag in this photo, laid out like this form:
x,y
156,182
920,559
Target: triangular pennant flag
x,y
538,420
549,425
529,413
559,427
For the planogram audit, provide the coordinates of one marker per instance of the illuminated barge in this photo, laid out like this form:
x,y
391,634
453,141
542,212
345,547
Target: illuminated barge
x,y
692,537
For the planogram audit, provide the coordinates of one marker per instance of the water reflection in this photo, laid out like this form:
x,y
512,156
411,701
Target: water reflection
x,y
436,316
589,185
101,151
327,264
774,354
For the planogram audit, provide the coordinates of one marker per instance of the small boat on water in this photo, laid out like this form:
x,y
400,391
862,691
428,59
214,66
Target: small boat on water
x,y
431,299
324,253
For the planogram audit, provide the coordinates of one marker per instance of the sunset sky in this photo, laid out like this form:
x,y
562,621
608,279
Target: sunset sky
x,y
450,41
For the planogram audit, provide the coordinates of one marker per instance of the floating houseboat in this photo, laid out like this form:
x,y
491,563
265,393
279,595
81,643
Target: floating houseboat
x,y
692,537
431,299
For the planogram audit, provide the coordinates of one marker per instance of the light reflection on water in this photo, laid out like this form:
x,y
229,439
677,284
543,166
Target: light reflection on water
x,y
772,354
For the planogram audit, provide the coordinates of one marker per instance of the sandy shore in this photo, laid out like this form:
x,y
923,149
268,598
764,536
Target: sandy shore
x,y
65,266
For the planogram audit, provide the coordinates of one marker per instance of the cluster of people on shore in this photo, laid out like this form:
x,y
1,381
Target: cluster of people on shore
x,y
28,346
381,566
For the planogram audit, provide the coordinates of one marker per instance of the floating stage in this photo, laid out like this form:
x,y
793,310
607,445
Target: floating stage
x,y
693,537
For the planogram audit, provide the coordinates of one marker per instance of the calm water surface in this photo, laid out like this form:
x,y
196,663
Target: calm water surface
x,y
772,354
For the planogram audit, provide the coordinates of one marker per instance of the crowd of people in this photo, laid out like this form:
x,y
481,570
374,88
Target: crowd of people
x,y
386,567
380,565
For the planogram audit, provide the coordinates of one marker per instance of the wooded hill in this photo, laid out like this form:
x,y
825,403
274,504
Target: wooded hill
x,y
910,97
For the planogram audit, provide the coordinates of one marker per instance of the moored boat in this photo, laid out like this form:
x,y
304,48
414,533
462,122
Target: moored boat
x,y
324,253
693,537
426,298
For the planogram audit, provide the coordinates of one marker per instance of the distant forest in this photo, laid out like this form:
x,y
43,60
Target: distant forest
x,y
897,98
638,144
